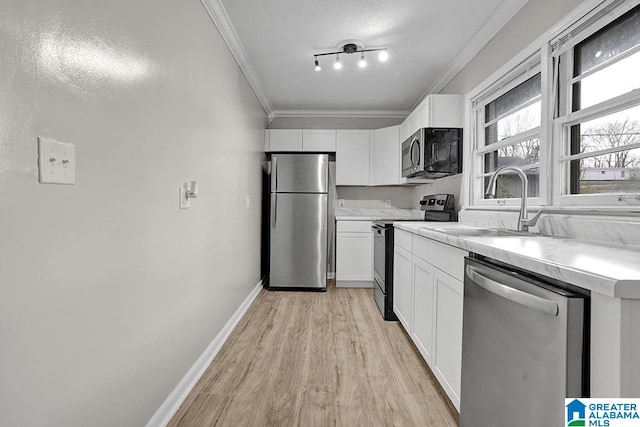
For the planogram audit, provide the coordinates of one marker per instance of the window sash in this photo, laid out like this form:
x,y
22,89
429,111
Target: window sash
x,y
518,75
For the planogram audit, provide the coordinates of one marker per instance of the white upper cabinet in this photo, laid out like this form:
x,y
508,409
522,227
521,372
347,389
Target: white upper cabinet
x,y
319,140
283,140
442,111
436,111
352,157
385,156
404,130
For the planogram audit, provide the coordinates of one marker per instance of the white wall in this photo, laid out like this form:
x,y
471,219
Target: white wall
x,y
536,17
108,291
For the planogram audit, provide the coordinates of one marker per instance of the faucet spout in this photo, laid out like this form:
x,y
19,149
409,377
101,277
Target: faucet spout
x,y
523,222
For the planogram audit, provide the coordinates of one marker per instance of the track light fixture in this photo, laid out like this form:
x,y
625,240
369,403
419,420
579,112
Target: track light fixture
x,y
350,47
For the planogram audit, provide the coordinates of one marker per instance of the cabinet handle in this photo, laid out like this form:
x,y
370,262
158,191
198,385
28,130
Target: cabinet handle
x,y
434,152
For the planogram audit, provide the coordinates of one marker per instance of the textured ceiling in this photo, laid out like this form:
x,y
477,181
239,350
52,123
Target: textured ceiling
x,y
424,38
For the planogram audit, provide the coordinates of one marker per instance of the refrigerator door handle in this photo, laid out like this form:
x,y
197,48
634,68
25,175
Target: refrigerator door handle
x,y
274,173
523,298
274,208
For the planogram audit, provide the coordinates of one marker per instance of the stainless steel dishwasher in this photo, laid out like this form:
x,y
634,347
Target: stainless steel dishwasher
x,y
524,347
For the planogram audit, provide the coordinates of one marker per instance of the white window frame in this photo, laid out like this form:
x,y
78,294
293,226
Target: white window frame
x,y
599,18
554,182
516,76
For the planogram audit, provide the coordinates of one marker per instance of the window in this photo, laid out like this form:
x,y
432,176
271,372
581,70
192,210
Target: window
x,y
599,113
567,113
508,133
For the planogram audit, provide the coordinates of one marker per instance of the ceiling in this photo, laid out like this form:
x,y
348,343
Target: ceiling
x,y
428,42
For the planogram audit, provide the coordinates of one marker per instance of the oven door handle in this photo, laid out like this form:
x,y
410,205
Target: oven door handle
x,y
377,228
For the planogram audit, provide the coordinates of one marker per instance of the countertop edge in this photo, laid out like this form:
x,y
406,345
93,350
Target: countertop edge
x,y
608,286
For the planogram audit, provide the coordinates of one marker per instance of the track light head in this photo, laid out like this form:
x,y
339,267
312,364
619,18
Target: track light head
x,y
383,55
338,64
318,67
363,62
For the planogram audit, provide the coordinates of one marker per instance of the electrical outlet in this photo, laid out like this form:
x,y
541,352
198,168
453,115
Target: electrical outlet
x,y
341,203
387,203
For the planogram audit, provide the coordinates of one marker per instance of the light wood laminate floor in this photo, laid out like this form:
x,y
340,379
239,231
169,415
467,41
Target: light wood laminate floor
x,y
316,359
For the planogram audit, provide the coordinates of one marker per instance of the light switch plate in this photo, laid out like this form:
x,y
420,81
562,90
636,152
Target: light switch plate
x,y
56,162
185,202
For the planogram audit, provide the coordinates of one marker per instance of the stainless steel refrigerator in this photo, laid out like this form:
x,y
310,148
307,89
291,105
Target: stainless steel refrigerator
x,y
298,221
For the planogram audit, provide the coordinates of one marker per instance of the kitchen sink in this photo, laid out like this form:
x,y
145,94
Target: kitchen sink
x,y
485,232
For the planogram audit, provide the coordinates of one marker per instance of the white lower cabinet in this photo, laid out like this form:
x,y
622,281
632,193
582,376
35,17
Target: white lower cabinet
x,y
428,300
402,287
354,254
424,303
447,360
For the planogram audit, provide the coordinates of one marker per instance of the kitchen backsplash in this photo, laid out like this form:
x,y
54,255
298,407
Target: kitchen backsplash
x,y
607,229
375,197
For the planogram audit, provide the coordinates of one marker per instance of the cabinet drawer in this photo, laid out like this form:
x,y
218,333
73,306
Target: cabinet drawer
x,y
353,226
442,256
403,239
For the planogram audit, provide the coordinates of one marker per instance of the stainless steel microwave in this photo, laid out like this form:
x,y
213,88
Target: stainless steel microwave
x,y
432,153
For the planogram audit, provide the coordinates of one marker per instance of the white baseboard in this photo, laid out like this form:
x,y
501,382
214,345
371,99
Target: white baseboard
x,y
171,405
354,284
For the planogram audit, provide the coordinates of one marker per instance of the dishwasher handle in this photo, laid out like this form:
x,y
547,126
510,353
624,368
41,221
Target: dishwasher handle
x,y
523,298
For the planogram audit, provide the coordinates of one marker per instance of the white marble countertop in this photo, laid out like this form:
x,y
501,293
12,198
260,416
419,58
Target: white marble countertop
x,y
608,269
374,214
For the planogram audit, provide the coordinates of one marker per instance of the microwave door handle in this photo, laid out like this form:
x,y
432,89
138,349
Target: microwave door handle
x,y
434,152
520,297
414,165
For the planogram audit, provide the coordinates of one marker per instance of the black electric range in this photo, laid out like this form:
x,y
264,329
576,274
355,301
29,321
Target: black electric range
x,y
436,207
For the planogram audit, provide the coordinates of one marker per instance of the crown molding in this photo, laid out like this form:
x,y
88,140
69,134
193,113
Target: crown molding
x,y
497,21
339,113
221,20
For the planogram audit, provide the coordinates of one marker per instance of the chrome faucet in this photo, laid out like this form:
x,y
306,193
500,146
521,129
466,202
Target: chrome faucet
x,y
523,222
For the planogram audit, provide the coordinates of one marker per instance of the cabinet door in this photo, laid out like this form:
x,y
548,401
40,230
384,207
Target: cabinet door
x,y
402,287
444,111
285,140
385,156
424,115
404,130
354,253
319,140
414,122
352,157
424,316
448,339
